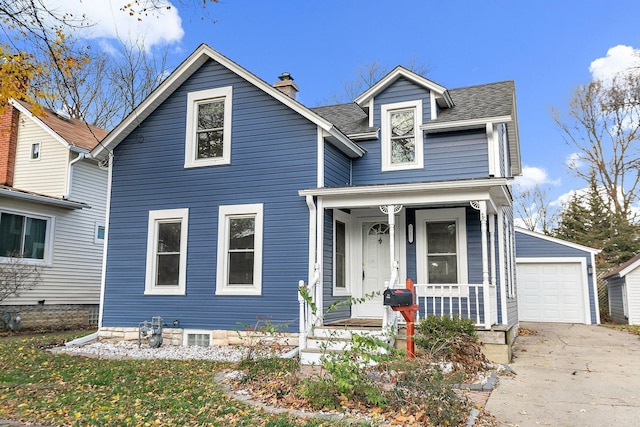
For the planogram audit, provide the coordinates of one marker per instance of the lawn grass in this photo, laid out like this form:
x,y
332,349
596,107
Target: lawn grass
x,y
60,389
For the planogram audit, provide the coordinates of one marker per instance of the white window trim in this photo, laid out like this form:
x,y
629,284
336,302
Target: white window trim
x,y
190,150
345,218
48,238
154,218
96,239
39,144
386,136
455,214
225,212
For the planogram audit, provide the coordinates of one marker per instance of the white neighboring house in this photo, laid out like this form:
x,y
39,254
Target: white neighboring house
x,y
52,210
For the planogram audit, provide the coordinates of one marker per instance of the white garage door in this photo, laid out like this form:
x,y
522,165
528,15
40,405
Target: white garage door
x,y
550,292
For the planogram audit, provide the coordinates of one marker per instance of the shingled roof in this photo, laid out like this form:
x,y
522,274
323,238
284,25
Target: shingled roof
x,y
73,131
477,102
349,118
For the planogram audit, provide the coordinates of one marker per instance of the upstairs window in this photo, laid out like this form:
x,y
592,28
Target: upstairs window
x,y
208,138
35,151
402,144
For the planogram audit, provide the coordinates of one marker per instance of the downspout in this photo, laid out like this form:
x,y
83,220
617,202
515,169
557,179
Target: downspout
x,y
70,174
103,277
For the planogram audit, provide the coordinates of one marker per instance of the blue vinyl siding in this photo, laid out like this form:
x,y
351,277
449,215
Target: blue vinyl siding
x,y
400,91
534,247
616,307
447,157
337,167
512,302
149,174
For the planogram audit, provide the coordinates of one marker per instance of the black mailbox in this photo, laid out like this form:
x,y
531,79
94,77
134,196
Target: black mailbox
x,y
397,297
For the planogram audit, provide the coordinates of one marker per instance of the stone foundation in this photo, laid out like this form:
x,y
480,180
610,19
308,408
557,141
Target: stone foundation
x,y
52,316
175,336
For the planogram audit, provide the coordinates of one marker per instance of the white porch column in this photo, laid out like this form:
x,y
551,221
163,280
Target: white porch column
x,y
391,211
319,249
481,206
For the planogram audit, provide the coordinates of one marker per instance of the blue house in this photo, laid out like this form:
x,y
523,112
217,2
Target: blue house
x,y
226,192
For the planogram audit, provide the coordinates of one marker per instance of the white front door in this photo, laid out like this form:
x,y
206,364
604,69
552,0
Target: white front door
x,y
373,253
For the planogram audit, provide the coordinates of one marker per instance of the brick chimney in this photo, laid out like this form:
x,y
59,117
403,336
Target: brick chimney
x,y
8,141
286,85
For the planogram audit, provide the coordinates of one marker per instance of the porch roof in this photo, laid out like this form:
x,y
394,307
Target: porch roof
x,y
494,190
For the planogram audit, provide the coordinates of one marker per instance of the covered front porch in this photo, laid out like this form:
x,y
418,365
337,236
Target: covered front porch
x,y
453,240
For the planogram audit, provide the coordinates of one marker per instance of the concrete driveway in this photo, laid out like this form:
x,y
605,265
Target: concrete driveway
x,y
570,375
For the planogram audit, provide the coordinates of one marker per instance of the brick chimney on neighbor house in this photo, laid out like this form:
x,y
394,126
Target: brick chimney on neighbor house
x,y
8,142
286,85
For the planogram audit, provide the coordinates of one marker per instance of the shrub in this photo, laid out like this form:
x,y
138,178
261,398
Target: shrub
x,y
440,336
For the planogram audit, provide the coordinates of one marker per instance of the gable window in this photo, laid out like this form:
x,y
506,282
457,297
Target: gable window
x,y
98,236
441,246
239,270
340,252
402,143
208,138
24,236
35,151
167,252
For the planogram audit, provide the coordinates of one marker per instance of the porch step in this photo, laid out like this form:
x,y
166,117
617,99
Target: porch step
x,y
327,340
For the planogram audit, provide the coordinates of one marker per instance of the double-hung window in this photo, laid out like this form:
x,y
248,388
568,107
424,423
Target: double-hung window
x,y
239,270
167,252
402,142
24,236
441,247
340,252
208,138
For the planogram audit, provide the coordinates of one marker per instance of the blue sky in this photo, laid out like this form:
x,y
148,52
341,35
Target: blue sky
x,y
547,47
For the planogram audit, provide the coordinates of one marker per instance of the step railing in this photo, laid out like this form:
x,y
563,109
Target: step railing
x,y
307,305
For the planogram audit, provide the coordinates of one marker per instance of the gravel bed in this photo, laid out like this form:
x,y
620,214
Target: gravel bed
x,y
130,350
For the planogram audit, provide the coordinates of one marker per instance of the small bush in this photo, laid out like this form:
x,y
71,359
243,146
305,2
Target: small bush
x,y
440,336
423,389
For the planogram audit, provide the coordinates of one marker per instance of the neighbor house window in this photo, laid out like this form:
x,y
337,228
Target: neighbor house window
x,y
239,269
167,252
24,236
35,151
340,252
99,231
402,144
208,138
441,246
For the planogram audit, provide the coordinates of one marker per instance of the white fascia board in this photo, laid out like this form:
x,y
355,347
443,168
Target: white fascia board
x,y
45,200
201,55
459,124
403,72
629,268
408,194
556,240
44,127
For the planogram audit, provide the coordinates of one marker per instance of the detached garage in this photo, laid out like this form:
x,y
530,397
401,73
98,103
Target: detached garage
x,y
556,280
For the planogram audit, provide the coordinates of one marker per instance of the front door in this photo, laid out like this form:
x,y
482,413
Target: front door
x,y
376,268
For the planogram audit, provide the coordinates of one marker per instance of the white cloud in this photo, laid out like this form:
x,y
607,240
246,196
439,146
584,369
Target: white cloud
x,y
574,161
107,21
532,176
619,58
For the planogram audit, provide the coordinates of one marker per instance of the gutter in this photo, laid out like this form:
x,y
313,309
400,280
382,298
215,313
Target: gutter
x,y
70,174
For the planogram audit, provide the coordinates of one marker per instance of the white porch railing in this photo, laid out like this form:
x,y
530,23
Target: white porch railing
x,y
463,300
307,298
